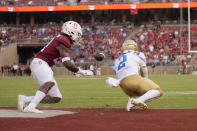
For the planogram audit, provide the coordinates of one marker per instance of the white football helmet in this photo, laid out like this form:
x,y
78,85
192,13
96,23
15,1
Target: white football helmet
x,y
73,30
129,45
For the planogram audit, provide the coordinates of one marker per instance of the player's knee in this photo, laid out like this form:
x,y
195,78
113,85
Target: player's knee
x,y
47,86
56,99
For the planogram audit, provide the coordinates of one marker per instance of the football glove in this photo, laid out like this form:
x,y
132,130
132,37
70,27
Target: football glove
x,y
85,72
112,82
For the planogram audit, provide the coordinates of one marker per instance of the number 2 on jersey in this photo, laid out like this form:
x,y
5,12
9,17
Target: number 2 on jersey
x,y
122,59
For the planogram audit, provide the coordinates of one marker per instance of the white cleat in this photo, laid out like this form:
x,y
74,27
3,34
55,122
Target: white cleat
x,y
21,102
31,110
129,105
140,104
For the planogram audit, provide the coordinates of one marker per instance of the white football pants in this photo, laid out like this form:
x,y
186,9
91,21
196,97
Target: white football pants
x,y
42,73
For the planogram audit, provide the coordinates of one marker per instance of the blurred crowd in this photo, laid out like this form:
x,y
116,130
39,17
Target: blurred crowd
x,y
78,2
15,70
101,39
107,39
27,33
161,44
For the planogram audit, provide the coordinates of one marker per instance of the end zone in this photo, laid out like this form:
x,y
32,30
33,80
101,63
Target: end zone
x,y
11,113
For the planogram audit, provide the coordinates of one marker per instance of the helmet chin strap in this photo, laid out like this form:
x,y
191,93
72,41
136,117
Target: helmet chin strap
x,y
68,37
76,43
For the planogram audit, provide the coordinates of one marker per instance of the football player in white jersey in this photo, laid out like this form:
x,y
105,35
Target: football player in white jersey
x,y
132,77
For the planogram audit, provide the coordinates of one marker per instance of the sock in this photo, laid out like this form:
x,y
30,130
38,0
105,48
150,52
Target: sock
x,y
129,102
149,96
37,98
28,98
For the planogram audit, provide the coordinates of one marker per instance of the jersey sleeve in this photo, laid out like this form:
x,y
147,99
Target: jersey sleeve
x,y
63,40
114,65
142,63
142,56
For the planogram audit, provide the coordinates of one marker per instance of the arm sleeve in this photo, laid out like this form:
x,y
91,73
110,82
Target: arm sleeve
x,y
144,70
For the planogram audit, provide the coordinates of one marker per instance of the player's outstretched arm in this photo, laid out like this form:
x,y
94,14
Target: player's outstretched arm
x,y
66,59
144,71
68,64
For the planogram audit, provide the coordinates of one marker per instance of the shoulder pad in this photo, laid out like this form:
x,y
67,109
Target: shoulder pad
x,y
63,40
139,54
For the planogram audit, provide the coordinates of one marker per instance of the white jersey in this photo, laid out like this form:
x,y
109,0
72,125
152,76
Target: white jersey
x,y
129,63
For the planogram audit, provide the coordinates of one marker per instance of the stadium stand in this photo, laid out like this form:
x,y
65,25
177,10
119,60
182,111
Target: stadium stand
x,y
162,44
159,43
158,37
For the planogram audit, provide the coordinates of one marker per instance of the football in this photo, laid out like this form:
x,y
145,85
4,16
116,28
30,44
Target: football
x,y
99,56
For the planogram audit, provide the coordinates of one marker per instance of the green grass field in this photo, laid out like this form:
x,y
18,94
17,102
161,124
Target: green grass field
x,y
180,91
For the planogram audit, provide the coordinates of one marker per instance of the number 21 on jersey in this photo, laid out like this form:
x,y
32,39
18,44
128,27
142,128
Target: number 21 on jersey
x,y
48,43
122,61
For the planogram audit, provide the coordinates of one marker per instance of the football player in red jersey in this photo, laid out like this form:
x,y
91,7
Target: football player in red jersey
x,y
40,66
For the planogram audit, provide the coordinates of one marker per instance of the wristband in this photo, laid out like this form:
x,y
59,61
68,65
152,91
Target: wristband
x,y
65,59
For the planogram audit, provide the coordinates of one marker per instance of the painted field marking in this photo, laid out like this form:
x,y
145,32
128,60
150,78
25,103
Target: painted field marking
x,y
181,92
47,113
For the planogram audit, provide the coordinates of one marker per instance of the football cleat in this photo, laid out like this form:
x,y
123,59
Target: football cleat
x,y
31,110
138,103
21,102
129,105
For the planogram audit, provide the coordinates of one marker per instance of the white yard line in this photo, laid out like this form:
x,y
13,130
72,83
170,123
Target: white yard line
x,y
181,92
114,97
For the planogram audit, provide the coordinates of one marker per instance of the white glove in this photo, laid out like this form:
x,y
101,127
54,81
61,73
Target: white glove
x,y
77,75
89,72
85,72
112,82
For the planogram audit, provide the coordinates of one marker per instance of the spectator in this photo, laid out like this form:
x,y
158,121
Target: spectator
x,y
15,69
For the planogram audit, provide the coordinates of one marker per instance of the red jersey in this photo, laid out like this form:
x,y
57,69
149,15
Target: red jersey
x,y
49,52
